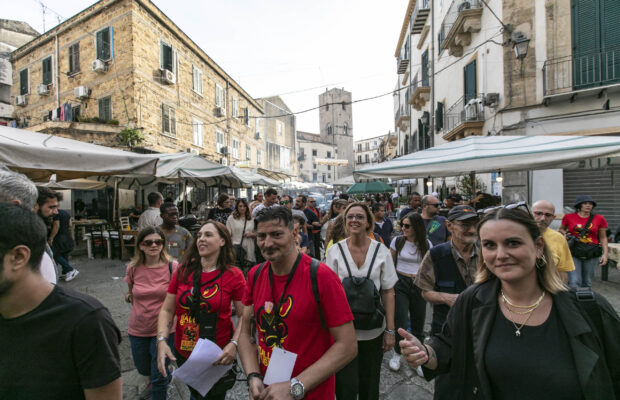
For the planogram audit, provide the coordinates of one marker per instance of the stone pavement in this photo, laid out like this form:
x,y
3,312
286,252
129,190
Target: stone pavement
x,y
103,279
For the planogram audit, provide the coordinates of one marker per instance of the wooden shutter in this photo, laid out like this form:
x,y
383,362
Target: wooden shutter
x,y
610,40
470,81
74,58
103,44
105,112
23,81
46,71
166,57
173,122
424,76
439,116
165,121
586,43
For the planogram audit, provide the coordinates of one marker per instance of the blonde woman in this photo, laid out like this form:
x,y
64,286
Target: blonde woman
x,y
148,276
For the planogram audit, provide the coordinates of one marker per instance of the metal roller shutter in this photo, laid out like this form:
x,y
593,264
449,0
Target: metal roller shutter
x,y
602,185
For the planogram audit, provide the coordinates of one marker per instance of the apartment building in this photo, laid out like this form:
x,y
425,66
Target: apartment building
x,y
312,150
120,73
513,67
279,130
368,151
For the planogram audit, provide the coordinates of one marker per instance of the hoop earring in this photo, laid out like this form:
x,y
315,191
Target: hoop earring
x,y
541,262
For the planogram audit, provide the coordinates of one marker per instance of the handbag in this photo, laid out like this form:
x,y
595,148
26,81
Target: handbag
x,y
363,297
584,251
240,252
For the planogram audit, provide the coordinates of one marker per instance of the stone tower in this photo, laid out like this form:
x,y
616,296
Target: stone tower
x,y
336,123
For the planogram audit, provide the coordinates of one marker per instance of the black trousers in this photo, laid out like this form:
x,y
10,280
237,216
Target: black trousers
x,y
410,308
361,376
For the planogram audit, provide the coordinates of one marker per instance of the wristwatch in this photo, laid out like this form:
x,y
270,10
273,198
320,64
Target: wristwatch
x,y
161,339
297,389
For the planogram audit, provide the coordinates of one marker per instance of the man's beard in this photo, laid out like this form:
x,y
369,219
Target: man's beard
x,y
48,220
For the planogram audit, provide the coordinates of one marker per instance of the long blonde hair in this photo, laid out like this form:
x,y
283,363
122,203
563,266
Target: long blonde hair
x,y
139,257
547,274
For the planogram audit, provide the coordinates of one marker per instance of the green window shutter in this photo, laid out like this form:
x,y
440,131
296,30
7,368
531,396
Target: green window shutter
x,y
23,81
470,81
610,40
173,122
166,57
424,76
586,43
439,116
46,71
105,109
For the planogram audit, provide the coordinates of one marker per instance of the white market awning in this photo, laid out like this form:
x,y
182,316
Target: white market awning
x,y
495,153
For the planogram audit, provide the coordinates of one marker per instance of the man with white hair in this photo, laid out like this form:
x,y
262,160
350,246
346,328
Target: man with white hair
x,y
17,188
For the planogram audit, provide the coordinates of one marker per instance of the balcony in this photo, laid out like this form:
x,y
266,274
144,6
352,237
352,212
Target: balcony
x,y
420,15
464,120
463,19
402,64
301,157
576,73
421,93
403,117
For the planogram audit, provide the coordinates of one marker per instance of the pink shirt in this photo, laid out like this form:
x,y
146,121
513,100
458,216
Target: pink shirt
x,y
150,286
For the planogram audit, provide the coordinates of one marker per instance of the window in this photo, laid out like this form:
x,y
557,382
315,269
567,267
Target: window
x,y
196,80
105,108
105,44
359,159
424,62
301,166
366,146
219,140
314,176
329,129
235,107
46,71
359,147
24,84
246,116
345,129
366,158
469,76
324,178
235,149
329,167
75,113
198,136
166,56
258,123
314,152
168,120
344,104
439,116
219,96
329,154
74,58
248,152
280,128
313,166
258,157
285,158
329,176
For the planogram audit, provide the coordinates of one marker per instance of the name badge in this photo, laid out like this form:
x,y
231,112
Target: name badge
x,y
280,368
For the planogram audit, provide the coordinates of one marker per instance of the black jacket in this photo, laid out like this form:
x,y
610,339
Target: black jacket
x,y
461,344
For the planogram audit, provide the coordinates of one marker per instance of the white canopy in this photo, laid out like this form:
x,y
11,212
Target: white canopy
x,y
495,153
39,156
249,177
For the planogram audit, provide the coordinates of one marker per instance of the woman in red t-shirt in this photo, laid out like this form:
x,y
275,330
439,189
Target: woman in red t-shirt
x,y
205,269
148,276
596,233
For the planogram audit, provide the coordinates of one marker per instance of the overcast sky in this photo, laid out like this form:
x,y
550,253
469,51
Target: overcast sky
x,y
293,48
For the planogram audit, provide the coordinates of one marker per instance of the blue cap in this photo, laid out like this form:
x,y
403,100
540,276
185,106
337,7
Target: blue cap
x,y
584,198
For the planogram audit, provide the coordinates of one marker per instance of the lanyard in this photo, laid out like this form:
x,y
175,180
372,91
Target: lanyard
x,y
277,318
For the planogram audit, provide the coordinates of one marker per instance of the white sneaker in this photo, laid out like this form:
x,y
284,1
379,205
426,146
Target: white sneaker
x,y
395,362
71,275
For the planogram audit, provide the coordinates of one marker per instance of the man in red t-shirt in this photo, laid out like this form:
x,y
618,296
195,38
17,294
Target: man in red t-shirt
x,y
287,315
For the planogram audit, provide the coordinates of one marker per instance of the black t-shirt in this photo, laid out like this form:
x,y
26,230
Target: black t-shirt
x,y
219,214
539,364
65,345
63,242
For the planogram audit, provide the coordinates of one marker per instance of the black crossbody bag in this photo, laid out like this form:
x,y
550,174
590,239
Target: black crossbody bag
x,y
584,251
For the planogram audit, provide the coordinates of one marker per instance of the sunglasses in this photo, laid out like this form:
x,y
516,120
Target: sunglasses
x,y
149,243
284,202
522,205
406,226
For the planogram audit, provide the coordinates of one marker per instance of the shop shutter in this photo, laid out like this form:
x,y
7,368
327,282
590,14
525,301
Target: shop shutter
x,y
470,81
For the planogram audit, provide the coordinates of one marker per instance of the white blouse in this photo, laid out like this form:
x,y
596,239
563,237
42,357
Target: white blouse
x,y
383,273
235,227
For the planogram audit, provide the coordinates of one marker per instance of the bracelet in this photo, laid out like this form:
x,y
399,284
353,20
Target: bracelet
x,y
254,375
234,342
428,357
390,331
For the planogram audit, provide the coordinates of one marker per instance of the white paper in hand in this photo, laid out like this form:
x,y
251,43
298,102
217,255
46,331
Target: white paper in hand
x,y
198,371
280,368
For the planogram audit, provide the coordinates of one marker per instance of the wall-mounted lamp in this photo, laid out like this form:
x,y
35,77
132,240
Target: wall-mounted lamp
x,y
429,182
520,45
499,178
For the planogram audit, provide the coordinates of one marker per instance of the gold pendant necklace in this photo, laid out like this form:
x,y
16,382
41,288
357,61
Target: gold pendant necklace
x,y
530,312
531,306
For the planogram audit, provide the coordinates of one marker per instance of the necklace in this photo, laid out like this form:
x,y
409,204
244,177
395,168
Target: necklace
x,y
506,301
530,311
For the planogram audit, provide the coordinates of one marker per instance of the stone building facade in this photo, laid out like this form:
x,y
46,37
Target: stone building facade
x,y
367,151
279,127
311,149
336,127
124,63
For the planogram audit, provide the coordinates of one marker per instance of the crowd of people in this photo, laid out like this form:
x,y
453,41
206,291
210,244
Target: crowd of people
x,y
324,297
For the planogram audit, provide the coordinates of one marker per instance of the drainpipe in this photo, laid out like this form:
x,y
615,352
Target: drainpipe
x,y
432,116
57,73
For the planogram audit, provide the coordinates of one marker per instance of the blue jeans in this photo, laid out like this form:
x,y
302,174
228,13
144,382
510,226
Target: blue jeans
x,y
144,352
583,273
62,259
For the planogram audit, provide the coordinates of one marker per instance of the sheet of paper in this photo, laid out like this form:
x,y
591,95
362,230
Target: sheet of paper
x,y
198,371
280,368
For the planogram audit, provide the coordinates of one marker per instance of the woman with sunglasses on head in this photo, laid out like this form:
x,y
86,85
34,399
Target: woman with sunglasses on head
x,y
241,228
518,333
355,260
148,276
200,295
408,251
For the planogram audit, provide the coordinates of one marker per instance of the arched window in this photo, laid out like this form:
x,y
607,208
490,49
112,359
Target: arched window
x,y
345,129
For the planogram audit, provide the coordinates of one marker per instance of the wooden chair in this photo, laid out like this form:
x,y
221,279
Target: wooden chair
x,y
124,224
127,243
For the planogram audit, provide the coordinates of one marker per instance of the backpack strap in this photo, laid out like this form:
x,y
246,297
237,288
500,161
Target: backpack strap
x,y
345,260
372,262
314,266
170,267
257,272
399,245
587,301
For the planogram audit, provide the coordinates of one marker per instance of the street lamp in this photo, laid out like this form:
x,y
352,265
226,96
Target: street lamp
x,y
499,178
520,45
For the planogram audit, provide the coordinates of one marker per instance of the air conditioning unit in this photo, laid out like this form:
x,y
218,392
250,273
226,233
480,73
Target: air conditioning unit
x,y
168,76
193,151
21,100
224,161
99,66
224,150
220,112
43,89
491,99
473,108
81,92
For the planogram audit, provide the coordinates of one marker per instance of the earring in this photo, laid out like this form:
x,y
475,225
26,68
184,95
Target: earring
x,y
541,262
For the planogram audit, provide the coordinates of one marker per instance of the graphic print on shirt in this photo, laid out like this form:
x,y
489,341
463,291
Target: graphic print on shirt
x,y
586,238
273,331
434,225
189,327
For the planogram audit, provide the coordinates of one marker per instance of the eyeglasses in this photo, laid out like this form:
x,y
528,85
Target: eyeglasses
x,y
149,243
437,205
521,205
406,226
284,202
358,217
540,213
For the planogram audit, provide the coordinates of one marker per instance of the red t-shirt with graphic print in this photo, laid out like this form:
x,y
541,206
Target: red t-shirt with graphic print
x,y
217,293
575,223
300,325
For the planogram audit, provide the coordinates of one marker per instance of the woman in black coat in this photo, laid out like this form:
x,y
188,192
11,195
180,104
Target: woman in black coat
x,y
519,333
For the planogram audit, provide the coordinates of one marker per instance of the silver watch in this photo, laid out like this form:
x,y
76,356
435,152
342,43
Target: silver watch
x,y
297,389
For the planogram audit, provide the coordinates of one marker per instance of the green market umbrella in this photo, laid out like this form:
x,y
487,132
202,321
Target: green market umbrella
x,y
370,187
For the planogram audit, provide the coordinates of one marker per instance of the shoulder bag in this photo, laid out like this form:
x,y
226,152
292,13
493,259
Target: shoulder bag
x,y
584,251
240,252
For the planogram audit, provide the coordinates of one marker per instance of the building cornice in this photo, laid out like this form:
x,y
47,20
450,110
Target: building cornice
x,y
405,28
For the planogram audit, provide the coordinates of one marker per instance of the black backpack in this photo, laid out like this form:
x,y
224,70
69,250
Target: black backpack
x,y
363,297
